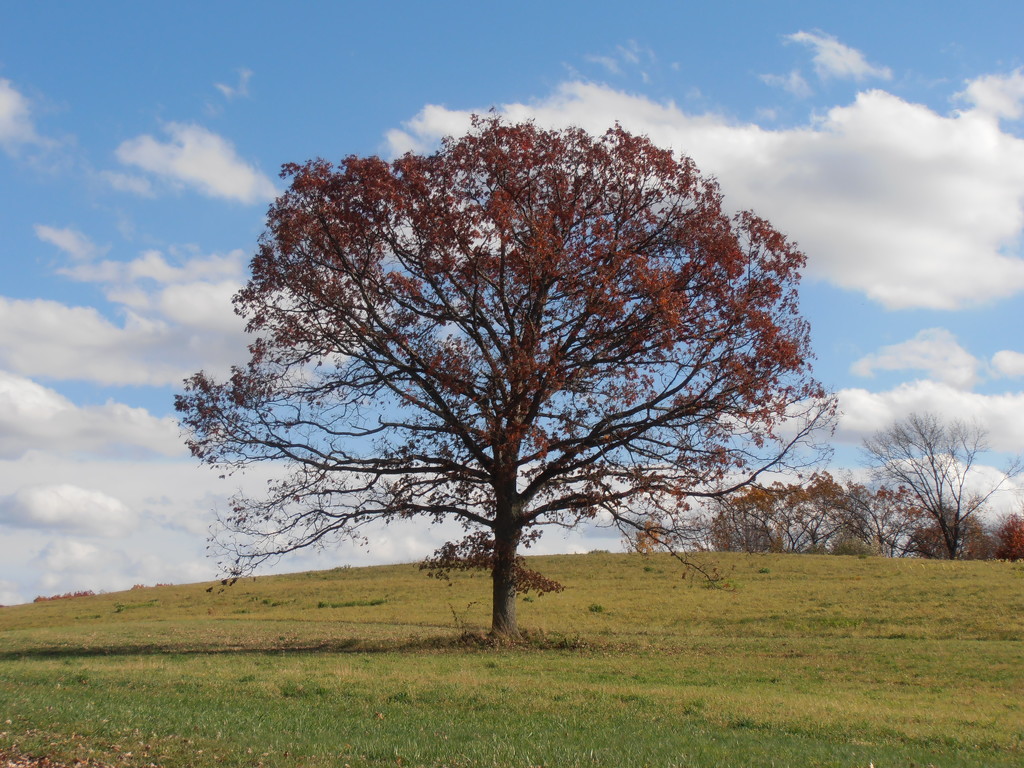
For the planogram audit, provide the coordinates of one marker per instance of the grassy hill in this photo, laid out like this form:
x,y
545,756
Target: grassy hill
x,y
798,661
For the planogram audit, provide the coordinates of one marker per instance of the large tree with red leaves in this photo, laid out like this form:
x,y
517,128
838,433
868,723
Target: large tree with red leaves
x,y
526,328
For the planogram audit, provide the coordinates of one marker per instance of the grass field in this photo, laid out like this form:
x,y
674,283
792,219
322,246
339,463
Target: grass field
x,y
799,661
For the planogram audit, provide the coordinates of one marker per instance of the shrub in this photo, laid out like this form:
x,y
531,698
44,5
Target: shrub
x,y
852,546
65,596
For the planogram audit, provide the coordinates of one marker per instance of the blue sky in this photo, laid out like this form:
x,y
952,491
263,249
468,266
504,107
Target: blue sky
x,y
139,148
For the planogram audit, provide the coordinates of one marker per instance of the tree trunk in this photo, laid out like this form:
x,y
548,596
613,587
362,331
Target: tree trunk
x,y
503,576
955,542
951,535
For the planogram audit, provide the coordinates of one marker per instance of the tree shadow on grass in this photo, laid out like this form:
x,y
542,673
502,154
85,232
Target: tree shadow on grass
x,y
465,641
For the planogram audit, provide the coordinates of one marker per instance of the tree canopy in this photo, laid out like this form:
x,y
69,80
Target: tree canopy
x,y
527,327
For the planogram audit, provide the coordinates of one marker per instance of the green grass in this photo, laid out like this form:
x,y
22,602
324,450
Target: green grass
x,y
797,661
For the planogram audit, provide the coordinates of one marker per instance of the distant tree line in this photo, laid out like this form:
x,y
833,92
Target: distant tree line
x,y
926,498
823,515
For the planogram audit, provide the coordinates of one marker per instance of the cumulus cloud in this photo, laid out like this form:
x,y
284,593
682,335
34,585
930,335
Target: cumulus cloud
x,y
153,265
1008,363
198,158
70,241
65,507
1001,96
71,554
201,305
422,132
933,350
73,563
16,128
171,502
863,412
176,319
90,564
833,59
174,495
887,197
109,523
39,337
34,417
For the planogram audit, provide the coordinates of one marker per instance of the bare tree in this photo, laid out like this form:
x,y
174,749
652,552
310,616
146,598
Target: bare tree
x,y
526,328
937,462
885,519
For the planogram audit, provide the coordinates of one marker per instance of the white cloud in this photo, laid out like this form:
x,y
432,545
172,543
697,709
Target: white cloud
x,y
910,207
45,338
153,265
833,59
242,89
34,417
1008,363
72,242
177,318
997,95
793,83
53,566
80,558
126,182
630,55
863,413
610,63
69,554
933,350
175,494
16,127
199,159
631,52
201,305
171,500
65,507
424,130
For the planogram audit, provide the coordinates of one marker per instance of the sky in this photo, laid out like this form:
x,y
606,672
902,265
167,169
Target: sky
x,y
140,145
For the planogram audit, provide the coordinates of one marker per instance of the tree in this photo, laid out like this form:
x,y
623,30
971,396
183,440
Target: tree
x,y
977,542
743,522
886,519
526,328
1009,537
794,517
936,461
817,519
